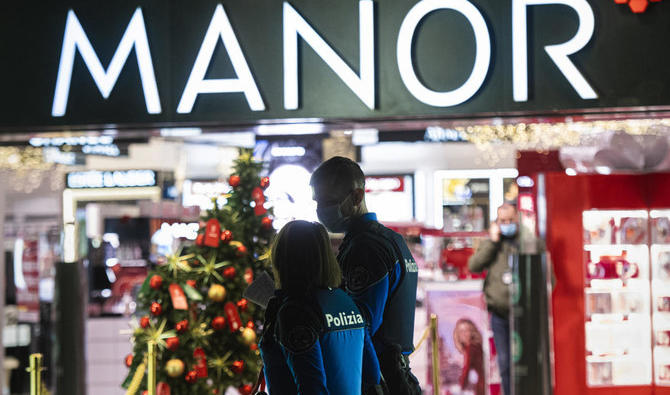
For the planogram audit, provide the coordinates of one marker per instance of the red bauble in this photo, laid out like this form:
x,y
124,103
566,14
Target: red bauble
x,y
191,377
226,236
253,346
144,322
257,195
156,308
229,272
238,366
259,210
129,360
251,325
218,323
234,181
265,182
242,304
181,326
190,283
145,392
172,343
266,223
248,275
156,281
241,250
246,389
200,239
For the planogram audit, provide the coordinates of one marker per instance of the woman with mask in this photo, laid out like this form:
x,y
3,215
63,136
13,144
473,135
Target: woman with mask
x,y
314,335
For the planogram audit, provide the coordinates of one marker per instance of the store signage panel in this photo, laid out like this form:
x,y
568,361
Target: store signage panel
x,y
145,61
111,179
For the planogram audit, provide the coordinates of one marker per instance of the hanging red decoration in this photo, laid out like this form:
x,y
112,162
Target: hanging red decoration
x,y
128,360
172,343
251,325
181,326
200,359
234,322
242,304
162,388
248,275
190,283
178,297
191,377
265,182
226,236
266,223
234,181
238,366
212,233
144,322
200,240
259,210
218,323
257,195
229,272
156,308
156,281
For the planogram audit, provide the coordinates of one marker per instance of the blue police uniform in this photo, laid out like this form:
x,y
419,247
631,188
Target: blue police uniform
x,y
313,344
381,276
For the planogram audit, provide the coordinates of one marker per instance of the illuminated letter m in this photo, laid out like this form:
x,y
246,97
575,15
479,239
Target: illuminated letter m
x,y
75,39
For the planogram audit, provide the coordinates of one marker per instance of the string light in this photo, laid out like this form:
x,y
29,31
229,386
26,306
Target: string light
x,y
543,137
26,169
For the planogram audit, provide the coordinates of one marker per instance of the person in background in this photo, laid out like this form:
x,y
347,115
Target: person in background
x,y
494,255
378,269
468,341
314,333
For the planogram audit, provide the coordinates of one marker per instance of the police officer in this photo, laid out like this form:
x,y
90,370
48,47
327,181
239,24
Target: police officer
x,y
313,339
378,269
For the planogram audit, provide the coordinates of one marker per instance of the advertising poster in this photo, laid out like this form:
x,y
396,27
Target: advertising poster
x,y
467,361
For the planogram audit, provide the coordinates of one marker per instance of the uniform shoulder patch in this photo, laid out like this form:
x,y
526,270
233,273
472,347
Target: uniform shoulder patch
x,y
358,278
298,327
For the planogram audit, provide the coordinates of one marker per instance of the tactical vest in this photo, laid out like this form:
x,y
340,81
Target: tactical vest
x,y
398,321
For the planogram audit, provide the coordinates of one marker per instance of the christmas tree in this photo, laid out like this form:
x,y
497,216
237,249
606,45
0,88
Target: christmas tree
x,y
192,303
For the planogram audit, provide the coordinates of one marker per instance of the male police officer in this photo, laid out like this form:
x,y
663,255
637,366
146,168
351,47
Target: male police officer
x,y
378,269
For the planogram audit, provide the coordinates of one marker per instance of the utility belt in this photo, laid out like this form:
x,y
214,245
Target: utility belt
x,y
396,374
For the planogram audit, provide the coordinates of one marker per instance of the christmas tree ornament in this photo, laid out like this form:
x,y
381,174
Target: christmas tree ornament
x,y
191,377
218,323
257,195
226,236
241,250
248,275
200,365
181,326
251,325
233,317
253,346
248,336
217,292
200,239
229,272
178,297
162,388
246,389
172,343
145,322
156,281
234,180
266,223
242,304
156,309
128,360
259,210
145,392
138,376
174,367
191,283
238,366
265,182
212,233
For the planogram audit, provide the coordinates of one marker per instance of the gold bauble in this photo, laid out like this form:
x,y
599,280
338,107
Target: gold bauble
x,y
174,368
217,292
248,336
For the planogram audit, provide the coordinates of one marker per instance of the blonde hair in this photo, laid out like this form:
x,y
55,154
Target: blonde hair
x,y
475,335
302,258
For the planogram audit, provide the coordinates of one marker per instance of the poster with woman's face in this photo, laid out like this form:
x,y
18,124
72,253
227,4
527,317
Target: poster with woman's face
x,y
466,352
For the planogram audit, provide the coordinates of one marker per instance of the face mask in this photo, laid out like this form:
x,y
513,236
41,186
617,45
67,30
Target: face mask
x,y
508,230
332,218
